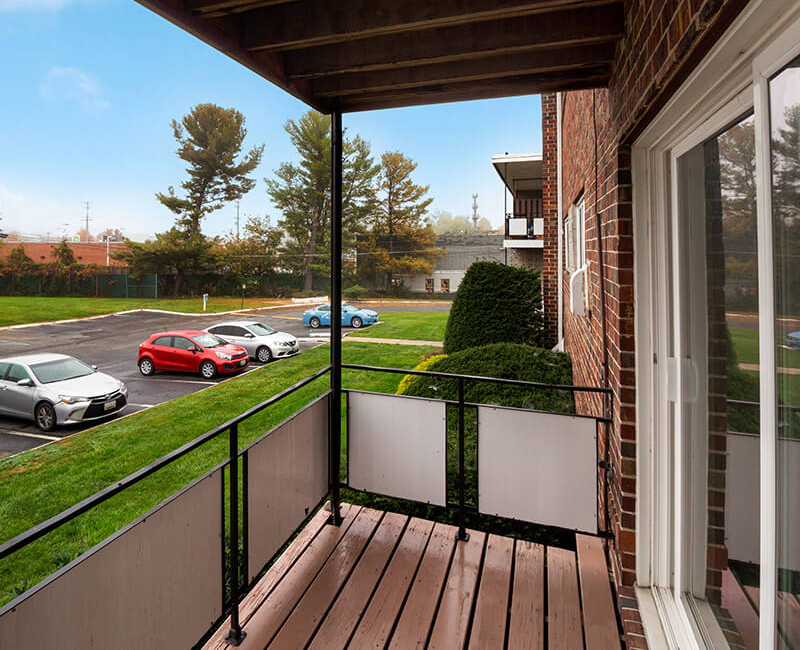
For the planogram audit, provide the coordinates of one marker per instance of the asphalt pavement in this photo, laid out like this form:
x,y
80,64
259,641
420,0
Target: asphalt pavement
x,y
112,344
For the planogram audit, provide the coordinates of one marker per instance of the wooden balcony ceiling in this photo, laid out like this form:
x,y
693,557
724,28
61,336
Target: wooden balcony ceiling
x,y
382,580
372,54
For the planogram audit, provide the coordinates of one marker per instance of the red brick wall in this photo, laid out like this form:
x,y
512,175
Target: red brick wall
x,y
549,212
664,41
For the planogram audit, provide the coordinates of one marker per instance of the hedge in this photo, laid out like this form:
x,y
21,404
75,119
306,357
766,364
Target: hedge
x,y
503,360
496,303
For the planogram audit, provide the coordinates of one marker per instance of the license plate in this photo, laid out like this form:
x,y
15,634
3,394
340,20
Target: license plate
x,y
110,405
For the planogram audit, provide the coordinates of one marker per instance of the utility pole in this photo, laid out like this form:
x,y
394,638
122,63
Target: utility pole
x,y
237,220
87,221
475,212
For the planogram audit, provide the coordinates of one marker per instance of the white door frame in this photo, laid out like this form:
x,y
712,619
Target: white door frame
x,y
671,490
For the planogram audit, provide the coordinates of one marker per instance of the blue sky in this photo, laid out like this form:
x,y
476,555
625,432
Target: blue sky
x,y
89,88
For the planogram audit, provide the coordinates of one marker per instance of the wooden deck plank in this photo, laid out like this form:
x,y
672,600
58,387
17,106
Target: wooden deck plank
x,y
273,575
417,615
564,614
740,609
789,618
351,602
312,607
599,616
452,619
269,617
491,606
526,625
376,625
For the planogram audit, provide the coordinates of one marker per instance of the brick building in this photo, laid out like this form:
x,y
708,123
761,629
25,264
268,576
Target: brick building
x,y
85,253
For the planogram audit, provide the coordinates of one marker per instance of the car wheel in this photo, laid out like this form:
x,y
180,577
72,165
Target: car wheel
x,y
45,416
208,370
356,322
146,367
314,322
264,354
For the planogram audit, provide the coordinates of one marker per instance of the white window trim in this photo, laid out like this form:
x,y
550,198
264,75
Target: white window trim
x,y
724,86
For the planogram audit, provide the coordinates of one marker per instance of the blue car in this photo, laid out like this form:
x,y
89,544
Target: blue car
x,y
351,316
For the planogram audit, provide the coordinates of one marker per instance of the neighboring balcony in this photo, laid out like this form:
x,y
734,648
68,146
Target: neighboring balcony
x,y
262,565
525,228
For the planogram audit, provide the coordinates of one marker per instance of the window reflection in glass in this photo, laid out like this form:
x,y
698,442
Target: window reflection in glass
x,y
784,93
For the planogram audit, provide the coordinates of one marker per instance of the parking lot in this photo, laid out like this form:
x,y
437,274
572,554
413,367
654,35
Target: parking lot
x,y
112,342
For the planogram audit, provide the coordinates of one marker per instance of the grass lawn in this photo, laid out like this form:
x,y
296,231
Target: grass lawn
x,y
41,483
415,325
746,343
15,310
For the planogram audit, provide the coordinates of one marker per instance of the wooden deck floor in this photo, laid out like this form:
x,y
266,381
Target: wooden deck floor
x,y
383,580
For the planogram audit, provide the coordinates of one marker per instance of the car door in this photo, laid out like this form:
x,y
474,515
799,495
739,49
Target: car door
x,y
161,350
184,360
19,399
239,336
5,402
324,313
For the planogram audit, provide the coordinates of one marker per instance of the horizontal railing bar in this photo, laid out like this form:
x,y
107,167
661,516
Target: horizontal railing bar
x,y
454,402
494,380
32,534
741,402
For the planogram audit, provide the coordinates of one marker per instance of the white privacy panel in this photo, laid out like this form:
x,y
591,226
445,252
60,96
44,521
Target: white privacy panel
x,y
517,227
155,584
396,446
742,497
538,467
287,476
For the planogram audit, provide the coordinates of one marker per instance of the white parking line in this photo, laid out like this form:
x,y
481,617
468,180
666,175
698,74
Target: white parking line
x,y
31,435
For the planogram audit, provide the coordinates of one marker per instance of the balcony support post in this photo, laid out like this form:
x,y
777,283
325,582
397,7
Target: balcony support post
x,y
335,423
462,530
236,634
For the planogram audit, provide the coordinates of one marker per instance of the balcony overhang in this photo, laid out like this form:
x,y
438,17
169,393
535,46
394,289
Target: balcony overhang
x,y
355,55
519,171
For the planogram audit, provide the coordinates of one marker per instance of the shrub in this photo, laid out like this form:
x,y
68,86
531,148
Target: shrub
x,y
502,360
354,292
495,303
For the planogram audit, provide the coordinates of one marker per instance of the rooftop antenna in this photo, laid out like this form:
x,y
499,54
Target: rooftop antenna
x,y
475,212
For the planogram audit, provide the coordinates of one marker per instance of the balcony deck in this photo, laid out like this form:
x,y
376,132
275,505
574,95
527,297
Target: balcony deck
x,y
383,579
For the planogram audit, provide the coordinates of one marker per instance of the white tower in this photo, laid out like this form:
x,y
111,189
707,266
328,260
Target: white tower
x,y
475,212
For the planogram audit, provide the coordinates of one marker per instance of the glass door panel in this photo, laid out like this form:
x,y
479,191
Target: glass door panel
x,y
784,95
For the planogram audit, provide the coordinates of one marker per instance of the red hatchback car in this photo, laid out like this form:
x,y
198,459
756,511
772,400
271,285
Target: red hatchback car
x,y
191,351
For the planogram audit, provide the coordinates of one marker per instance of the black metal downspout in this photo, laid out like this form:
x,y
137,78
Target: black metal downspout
x,y
335,424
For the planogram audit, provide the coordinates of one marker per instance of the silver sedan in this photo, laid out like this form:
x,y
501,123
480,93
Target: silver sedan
x,y
53,389
261,341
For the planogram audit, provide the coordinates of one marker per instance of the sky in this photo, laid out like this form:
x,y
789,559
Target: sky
x,y
88,89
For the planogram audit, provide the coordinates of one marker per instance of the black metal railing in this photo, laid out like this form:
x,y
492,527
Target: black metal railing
x,y
231,427
462,405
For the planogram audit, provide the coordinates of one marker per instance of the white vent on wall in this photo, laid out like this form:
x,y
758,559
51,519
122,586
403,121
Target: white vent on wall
x,y
577,292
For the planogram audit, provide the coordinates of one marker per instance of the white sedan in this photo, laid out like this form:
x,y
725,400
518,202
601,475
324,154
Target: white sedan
x,y
261,341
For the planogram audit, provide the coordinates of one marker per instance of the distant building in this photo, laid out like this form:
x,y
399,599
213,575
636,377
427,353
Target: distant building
x,y
460,252
85,253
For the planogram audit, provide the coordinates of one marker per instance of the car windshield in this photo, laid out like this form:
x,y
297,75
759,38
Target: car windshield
x,y
60,370
207,340
260,330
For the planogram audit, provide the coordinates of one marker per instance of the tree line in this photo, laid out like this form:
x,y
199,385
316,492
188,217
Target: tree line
x,y
385,228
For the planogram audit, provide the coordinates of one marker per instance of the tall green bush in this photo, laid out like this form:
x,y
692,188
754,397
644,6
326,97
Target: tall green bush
x,y
502,360
496,303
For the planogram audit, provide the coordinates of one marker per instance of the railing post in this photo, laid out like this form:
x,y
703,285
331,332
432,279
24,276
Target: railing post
x,y
335,424
236,634
462,530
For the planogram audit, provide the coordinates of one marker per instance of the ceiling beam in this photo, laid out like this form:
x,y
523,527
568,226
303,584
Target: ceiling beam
x,y
320,22
213,8
472,91
494,67
452,43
